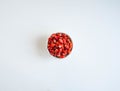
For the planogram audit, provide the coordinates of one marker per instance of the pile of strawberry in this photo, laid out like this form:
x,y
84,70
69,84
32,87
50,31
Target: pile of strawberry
x,y
59,45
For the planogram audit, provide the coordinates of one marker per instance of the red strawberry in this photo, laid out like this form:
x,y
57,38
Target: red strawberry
x,y
59,45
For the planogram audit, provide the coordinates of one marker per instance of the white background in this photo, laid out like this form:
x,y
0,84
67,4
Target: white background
x,y
93,65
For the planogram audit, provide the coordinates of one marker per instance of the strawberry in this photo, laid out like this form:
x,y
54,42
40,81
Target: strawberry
x,y
59,45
